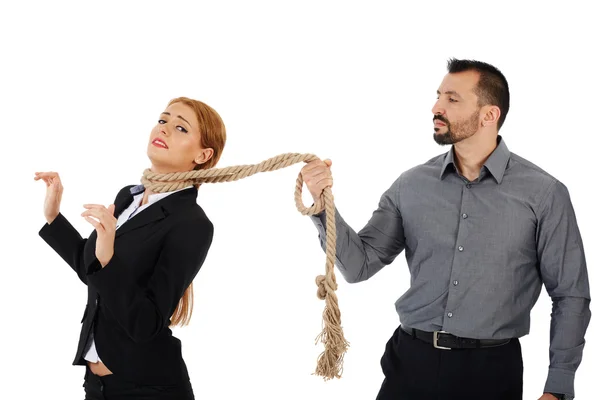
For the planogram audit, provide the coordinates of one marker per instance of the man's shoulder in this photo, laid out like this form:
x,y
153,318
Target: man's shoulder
x,y
419,173
533,177
431,167
523,165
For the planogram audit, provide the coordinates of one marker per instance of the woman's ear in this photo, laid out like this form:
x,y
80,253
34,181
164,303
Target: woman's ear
x,y
204,156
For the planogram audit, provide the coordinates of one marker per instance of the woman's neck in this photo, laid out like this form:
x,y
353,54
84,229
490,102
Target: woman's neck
x,y
147,193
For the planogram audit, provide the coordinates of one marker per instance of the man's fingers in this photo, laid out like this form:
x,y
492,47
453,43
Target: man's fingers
x,y
320,176
312,165
316,174
325,182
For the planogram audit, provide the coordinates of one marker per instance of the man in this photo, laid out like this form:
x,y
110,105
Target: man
x,y
482,229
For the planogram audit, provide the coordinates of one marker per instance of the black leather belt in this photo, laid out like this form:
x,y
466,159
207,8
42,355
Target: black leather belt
x,y
447,341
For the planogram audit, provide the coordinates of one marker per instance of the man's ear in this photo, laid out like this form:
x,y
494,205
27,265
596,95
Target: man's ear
x,y
491,116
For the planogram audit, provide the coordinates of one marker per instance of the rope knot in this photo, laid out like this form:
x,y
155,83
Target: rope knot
x,y
323,288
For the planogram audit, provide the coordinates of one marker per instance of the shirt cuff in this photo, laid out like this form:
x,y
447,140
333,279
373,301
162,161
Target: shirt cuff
x,y
560,381
318,217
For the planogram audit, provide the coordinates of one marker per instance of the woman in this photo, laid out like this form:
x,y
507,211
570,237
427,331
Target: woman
x,y
139,263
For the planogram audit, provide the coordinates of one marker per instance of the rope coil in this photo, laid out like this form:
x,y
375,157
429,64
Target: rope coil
x,y
330,361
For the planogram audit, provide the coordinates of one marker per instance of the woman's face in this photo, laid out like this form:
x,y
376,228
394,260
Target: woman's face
x,y
178,129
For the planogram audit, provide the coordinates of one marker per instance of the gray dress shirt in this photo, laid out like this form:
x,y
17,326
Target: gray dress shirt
x,y
478,253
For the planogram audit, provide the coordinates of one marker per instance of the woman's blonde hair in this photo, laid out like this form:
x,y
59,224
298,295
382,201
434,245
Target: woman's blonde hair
x,y
213,136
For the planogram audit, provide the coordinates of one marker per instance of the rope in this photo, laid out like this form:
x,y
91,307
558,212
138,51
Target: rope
x,y
330,361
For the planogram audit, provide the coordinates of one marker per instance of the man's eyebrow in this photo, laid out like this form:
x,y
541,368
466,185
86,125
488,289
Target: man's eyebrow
x,y
179,116
450,92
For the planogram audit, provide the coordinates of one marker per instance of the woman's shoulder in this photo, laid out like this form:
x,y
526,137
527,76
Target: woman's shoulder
x,y
193,215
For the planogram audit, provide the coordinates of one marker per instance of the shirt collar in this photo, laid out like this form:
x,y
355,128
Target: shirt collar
x,y
495,164
139,189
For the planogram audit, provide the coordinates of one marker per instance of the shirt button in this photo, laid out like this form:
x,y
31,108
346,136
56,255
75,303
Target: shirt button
x,y
460,248
468,186
449,315
464,216
455,283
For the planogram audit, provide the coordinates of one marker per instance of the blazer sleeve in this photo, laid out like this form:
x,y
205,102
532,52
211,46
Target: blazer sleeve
x,y
143,311
67,242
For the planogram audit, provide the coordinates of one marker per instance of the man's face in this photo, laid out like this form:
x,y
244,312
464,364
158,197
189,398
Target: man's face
x,y
456,113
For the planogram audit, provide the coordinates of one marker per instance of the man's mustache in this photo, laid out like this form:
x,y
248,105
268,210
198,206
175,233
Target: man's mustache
x,y
444,120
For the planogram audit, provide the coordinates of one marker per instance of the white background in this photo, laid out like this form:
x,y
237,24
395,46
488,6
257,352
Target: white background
x,y
82,85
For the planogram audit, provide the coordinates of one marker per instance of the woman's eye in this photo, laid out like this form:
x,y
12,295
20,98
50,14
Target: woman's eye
x,y
452,100
179,127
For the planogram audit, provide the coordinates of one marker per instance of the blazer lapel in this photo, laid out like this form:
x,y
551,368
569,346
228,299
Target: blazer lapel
x,y
121,203
151,213
154,212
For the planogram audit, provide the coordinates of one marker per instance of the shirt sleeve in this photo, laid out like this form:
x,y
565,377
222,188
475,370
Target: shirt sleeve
x,y
564,273
143,311
361,255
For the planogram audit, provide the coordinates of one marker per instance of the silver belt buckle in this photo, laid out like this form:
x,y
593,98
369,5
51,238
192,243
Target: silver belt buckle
x,y
435,340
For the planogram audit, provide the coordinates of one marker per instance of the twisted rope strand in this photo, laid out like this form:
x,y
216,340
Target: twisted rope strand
x,y
330,361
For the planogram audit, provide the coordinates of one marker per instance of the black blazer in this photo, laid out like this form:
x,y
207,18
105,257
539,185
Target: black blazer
x,y
157,254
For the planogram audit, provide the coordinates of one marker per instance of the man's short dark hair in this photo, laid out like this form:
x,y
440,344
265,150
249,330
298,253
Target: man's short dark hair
x,y
492,88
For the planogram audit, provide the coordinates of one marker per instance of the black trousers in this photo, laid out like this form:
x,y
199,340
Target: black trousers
x,y
415,370
110,387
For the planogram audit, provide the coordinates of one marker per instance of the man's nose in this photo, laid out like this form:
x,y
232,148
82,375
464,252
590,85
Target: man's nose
x,y
437,109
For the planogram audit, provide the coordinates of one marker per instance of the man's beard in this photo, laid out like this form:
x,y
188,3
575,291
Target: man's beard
x,y
456,131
